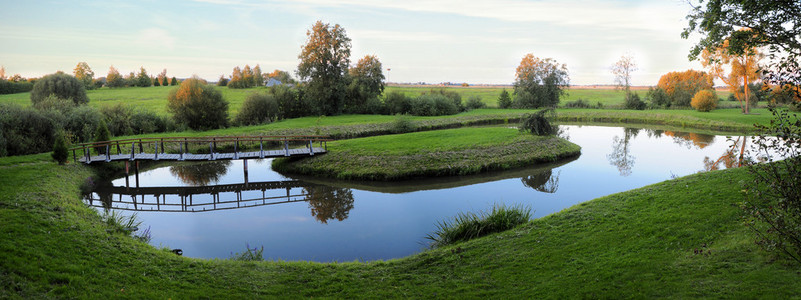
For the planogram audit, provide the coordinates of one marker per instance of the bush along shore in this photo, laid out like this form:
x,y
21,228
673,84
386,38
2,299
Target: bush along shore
x,y
460,151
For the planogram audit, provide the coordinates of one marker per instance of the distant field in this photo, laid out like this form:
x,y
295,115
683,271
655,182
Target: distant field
x,y
155,98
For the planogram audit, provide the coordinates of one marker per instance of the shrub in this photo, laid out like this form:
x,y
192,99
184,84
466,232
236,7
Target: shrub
x,y
681,86
290,102
3,151
538,123
51,102
81,123
258,108
504,101
62,86
143,122
60,152
633,102
101,135
397,103
402,124
455,97
467,226
705,100
579,103
254,254
11,87
773,199
658,97
474,102
433,105
26,130
198,105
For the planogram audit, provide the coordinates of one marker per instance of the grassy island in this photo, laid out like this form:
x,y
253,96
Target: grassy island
x,y
460,151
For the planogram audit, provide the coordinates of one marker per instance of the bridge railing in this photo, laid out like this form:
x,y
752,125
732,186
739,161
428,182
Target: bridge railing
x,y
183,145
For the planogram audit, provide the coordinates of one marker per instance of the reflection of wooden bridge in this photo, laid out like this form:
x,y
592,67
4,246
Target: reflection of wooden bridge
x,y
208,148
185,202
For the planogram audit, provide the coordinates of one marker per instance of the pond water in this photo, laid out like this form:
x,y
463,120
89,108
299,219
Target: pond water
x,y
215,209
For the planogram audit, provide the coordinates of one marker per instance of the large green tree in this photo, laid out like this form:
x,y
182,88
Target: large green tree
x,y
114,79
539,82
142,79
324,63
773,24
366,84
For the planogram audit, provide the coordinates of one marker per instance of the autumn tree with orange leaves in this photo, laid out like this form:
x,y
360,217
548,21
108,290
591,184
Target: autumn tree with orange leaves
x,y
680,87
743,68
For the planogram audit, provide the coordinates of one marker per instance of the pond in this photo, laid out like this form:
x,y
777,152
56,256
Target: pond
x,y
215,209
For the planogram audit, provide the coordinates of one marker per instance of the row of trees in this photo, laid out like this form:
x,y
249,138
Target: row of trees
x,y
115,80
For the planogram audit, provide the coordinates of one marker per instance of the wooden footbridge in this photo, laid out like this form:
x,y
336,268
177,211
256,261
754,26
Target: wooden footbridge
x,y
200,148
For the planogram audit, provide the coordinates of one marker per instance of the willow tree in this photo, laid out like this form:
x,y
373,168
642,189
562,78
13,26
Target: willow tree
x,y
324,63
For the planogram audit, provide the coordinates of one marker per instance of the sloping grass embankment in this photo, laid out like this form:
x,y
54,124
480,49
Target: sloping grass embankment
x,y
681,238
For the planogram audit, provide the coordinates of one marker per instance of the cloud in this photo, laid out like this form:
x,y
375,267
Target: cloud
x,y
155,38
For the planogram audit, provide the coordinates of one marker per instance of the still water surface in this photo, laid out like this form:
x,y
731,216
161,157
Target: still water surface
x,y
325,221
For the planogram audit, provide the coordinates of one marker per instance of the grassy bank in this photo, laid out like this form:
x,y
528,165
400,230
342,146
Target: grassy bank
x,y
432,153
681,238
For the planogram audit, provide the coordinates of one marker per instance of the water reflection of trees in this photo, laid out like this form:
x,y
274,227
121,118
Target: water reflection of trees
x,y
201,174
544,181
731,158
690,140
328,203
621,154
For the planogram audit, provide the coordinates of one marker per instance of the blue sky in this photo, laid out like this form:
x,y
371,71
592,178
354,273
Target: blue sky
x,y
429,41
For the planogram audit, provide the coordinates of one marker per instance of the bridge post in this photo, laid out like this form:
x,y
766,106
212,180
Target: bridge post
x,y
311,148
162,145
118,148
133,146
108,155
74,156
140,146
236,149
286,147
211,151
186,145
157,151
261,148
88,156
181,156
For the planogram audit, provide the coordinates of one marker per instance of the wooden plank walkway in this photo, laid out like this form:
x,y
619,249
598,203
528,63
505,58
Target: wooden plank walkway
x,y
205,157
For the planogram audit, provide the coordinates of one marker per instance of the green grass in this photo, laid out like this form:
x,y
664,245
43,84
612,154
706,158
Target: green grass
x,y
681,238
460,151
469,225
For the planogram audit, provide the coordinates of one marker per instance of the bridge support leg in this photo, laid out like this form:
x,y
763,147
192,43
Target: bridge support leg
x,y
261,148
311,148
181,155
236,149
133,148
108,155
245,166
88,156
286,147
156,157
211,151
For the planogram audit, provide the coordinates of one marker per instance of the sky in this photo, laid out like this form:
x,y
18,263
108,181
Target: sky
x,y
478,42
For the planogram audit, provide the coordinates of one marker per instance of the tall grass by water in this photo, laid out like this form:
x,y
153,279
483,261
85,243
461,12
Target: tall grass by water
x,y
469,225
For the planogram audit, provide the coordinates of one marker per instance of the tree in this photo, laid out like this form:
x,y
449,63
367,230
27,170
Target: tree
x,y
173,81
142,79
162,78
771,24
102,135
60,151
60,85
114,79
622,70
2,72
247,77
366,84
324,61
744,68
680,87
282,76
155,81
258,108
237,80
198,105
222,81
258,77
84,74
504,101
539,82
